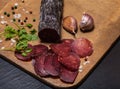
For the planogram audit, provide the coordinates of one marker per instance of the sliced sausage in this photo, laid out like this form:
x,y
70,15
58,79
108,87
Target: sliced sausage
x,y
39,66
28,57
72,61
82,46
68,75
61,49
49,67
39,49
67,41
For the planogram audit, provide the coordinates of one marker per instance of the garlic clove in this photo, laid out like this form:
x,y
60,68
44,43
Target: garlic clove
x,y
70,24
86,23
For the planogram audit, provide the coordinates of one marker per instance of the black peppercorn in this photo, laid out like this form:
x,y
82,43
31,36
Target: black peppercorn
x,y
14,19
5,13
13,12
24,20
19,20
15,7
8,15
34,20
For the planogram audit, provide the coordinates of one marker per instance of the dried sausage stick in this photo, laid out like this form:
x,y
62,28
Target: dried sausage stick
x,y
50,20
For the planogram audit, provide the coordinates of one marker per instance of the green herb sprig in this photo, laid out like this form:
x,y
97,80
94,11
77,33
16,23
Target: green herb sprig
x,y
23,37
10,32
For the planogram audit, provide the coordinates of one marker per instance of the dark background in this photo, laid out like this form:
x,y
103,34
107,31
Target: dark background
x,y
106,75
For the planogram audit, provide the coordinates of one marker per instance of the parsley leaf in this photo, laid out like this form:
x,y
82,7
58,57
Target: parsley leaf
x,y
21,32
10,32
28,50
21,45
34,37
33,31
24,54
29,25
23,37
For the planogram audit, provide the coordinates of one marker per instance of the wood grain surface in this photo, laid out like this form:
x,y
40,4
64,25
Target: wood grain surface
x,y
3,3
107,19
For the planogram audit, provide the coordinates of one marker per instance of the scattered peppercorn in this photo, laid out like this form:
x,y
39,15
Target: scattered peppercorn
x,y
26,18
23,1
8,15
5,13
14,20
34,20
30,12
22,23
25,21
19,20
15,7
13,12
86,59
12,8
6,24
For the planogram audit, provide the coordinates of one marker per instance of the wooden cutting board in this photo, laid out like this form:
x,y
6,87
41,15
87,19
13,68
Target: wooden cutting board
x,y
106,14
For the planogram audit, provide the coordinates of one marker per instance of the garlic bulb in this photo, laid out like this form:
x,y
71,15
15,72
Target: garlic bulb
x,y
86,23
70,24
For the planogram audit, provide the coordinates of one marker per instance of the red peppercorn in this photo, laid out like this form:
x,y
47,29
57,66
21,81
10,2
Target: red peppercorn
x,y
6,24
22,23
26,18
30,12
23,1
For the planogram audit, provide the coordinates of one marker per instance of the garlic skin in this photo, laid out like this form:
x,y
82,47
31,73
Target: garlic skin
x,y
86,23
70,24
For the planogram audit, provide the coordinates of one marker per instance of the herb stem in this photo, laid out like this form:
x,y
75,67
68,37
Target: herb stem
x,y
8,49
17,25
1,34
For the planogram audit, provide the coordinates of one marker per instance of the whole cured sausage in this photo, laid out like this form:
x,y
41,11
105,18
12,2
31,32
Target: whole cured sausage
x,y
50,20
